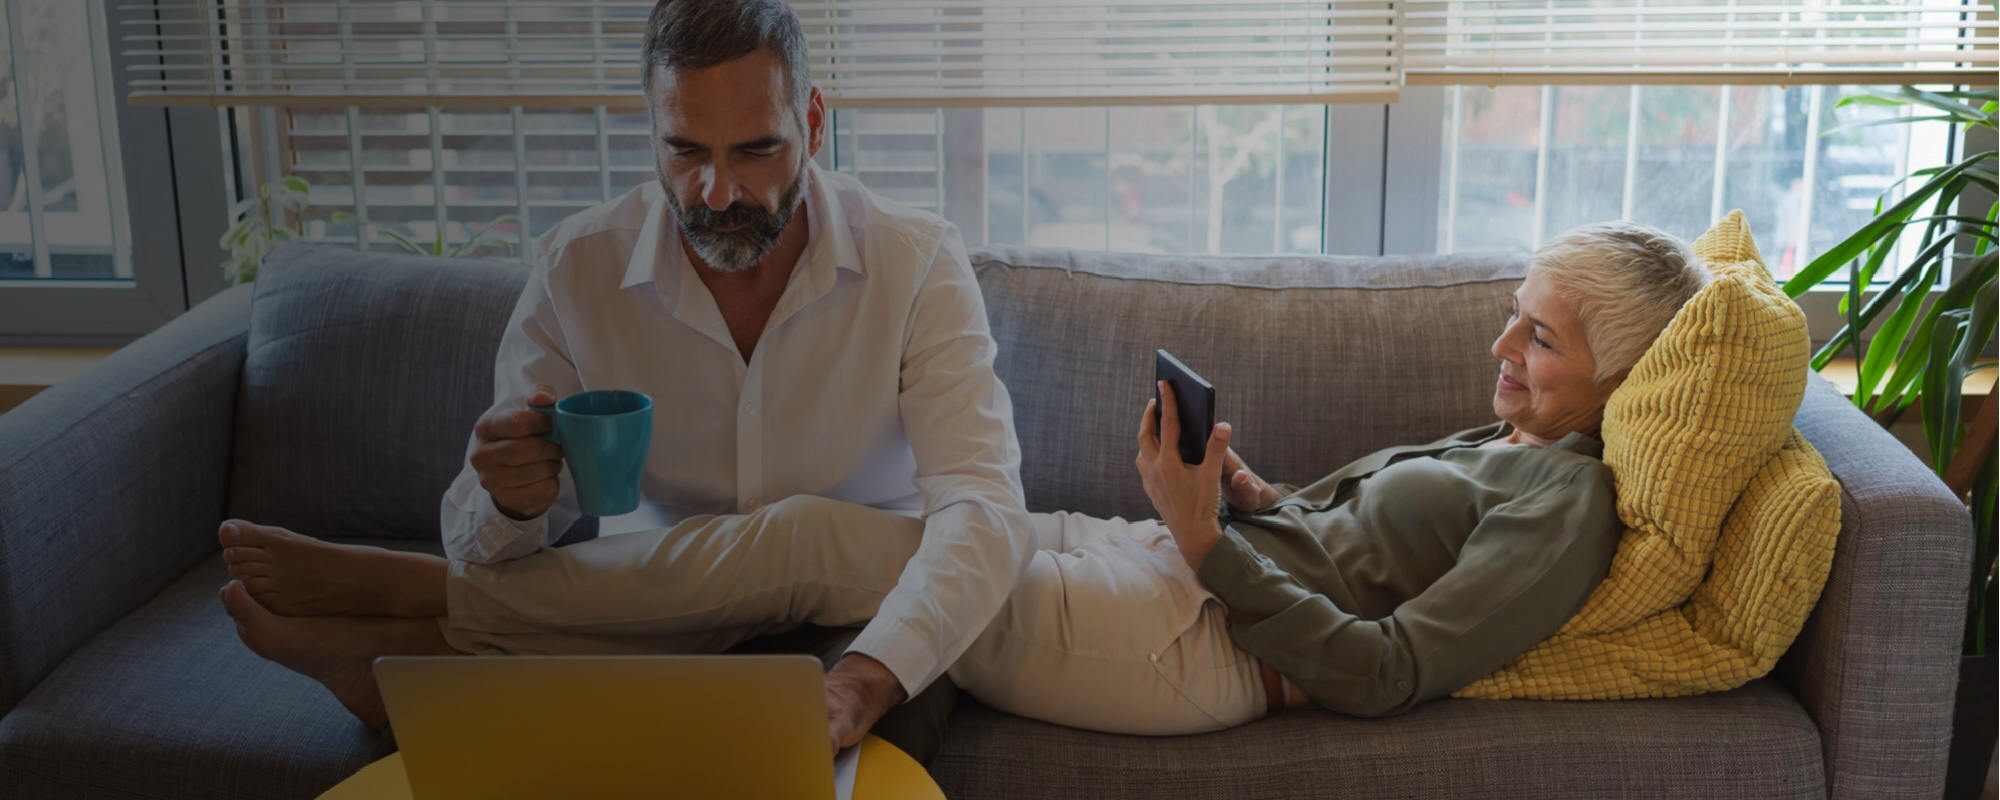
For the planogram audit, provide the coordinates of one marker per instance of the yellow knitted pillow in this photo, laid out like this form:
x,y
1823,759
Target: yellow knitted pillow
x,y
1709,473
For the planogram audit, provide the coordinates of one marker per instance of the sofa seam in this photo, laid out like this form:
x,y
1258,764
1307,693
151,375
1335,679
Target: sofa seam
x,y
203,356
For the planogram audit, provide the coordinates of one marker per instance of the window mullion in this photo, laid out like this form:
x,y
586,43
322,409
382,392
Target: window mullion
x,y
357,178
1721,155
107,133
520,184
1448,238
1278,187
1809,175
436,117
1547,132
30,115
1631,158
603,153
520,144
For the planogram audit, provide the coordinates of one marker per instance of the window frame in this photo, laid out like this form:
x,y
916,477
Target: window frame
x,y
157,157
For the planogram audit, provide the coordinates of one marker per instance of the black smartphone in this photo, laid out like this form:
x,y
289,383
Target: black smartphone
x,y
1196,401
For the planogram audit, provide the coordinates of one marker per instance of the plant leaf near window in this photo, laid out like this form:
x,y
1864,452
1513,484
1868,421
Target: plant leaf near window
x,y
1930,339
258,225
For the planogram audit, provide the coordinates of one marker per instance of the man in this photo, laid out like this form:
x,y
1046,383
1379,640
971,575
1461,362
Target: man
x,y
798,335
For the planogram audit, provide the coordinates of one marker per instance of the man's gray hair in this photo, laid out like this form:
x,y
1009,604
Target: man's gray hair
x,y
693,34
1626,282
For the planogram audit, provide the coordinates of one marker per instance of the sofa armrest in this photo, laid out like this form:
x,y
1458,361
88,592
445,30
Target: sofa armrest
x,y
1877,663
111,485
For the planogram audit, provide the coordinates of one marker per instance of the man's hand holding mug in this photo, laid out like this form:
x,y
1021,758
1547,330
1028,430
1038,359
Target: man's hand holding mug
x,y
516,463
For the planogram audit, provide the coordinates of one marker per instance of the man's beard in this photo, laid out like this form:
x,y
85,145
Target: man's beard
x,y
755,231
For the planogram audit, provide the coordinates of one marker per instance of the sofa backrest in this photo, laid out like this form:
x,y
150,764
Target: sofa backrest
x,y
362,377
365,371
1315,359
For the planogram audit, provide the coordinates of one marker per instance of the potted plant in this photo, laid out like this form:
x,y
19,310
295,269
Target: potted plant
x,y
279,212
1919,357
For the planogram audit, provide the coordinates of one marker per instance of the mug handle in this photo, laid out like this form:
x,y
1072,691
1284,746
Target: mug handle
x,y
548,412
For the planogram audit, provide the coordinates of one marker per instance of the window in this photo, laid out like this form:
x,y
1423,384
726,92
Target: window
x,y
90,241
493,180
1523,163
1272,126
1207,179
62,194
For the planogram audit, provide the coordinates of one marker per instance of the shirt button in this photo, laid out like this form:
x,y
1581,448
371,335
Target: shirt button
x,y
753,410
1153,657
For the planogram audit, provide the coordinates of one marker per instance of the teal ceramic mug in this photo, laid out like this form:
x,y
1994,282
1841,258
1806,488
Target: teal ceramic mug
x,y
604,435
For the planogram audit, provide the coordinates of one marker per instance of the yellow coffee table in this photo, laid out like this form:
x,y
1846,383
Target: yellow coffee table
x,y
884,773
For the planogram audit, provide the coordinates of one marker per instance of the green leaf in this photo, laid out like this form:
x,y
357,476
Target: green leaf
x,y
1858,279
1871,97
1983,320
1980,227
1852,247
1845,335
1876,123
296,184
1888,340
1965,285
1944,103
403,241
1943,381
1992,215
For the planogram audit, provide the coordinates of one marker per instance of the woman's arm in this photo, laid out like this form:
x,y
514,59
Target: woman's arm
x,y
1524,571
1187,496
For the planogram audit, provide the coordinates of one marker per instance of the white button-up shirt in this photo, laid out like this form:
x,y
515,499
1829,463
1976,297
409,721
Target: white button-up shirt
x,y
872,383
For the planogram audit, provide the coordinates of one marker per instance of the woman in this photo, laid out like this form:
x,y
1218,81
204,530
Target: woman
x,y
1396,579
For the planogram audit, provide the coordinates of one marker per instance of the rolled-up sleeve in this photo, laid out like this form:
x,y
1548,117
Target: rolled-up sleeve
x,y
959,422
1523,572
532,351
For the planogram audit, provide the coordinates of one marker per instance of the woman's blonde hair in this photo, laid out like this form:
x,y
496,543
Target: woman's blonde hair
x,y
1626,281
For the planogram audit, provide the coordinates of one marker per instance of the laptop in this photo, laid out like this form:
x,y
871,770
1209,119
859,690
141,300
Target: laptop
x,y
612,726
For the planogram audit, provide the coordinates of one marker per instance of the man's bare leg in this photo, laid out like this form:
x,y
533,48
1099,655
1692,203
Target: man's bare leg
x,y
294,575
336,651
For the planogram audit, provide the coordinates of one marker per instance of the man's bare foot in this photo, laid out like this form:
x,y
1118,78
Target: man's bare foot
x,y
295,575
336,652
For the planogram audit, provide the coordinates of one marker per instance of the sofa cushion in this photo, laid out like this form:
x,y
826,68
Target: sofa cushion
x,y
363,376
1315,360
1752,742
169,703
1706,413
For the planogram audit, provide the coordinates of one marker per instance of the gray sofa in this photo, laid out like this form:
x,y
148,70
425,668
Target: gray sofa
x,y
334,396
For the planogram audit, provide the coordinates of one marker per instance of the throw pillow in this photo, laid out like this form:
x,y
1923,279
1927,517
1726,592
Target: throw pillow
x,y
1730,514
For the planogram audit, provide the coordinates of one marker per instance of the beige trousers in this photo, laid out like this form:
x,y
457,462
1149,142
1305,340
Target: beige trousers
x,y
1107,629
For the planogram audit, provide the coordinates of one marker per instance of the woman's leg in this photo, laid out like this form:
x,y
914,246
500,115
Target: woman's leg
x,y
1113,634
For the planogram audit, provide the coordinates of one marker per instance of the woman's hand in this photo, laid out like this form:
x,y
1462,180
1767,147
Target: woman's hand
x,y
1185,495
1241,487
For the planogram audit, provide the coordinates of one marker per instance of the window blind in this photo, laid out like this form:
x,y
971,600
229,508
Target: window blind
x,y
1697,41
865,53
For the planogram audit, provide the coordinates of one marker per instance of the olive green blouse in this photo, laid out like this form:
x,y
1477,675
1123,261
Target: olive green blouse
x,y
1414,571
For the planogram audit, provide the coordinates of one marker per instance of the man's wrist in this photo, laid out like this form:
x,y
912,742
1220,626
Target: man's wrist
x,y
880,686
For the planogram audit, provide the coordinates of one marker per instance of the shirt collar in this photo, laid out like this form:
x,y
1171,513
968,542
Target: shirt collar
x,y
829,239
1575,441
